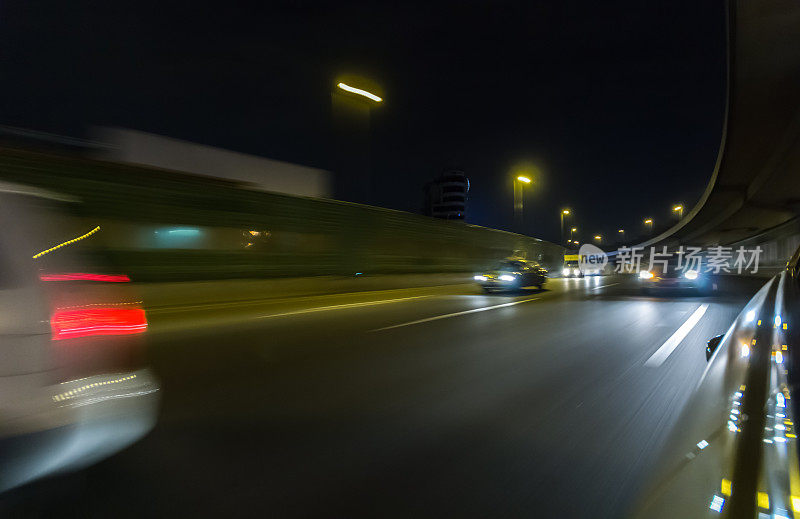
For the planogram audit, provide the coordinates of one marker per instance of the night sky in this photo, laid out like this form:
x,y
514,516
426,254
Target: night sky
x,y
618,104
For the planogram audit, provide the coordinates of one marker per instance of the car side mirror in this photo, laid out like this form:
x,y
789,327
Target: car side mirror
x,y
712,345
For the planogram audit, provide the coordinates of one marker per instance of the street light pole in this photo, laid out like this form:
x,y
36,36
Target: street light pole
x,y
519,183
353,101
622,234
678,209
572,232
598,238
564,212
649,224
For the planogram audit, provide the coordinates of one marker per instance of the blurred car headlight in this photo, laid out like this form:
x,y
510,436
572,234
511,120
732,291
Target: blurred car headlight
x,y
506,277
644,274
565,272
479,278
691,274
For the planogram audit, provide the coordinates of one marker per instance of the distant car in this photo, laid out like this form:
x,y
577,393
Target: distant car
x,y
512,275
73,389
571,269
673,276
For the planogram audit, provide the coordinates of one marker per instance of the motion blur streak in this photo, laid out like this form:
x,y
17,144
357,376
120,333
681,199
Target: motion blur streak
x,y
340,307
455,314
72,393
68,324
86,277
69,242
603,286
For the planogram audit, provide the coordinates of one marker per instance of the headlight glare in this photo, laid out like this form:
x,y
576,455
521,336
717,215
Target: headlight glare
x,y
690,274
644,274
479,278
506,277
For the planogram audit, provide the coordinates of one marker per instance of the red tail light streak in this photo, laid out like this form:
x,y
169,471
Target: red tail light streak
x,y
79,276
70,324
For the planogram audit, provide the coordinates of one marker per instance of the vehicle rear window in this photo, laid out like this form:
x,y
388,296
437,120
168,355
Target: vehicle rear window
x,y
509,265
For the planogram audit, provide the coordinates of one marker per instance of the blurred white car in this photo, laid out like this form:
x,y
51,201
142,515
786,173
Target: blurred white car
x,y
72,386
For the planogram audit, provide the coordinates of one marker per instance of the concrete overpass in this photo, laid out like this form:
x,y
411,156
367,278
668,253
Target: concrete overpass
x,y
755,185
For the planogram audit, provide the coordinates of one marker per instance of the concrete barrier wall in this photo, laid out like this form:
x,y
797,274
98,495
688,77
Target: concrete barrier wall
x,y
777,244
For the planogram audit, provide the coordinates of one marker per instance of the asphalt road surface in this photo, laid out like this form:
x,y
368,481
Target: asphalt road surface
x,y
436,402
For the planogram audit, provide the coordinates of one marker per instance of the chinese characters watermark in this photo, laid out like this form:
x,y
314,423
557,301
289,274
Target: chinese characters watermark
x,y
712,260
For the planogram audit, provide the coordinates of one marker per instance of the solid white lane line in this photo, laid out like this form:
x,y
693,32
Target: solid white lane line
x,y
340,307
603,286
455,314
669,346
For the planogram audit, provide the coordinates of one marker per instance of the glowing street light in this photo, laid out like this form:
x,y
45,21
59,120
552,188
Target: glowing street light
x,y
649,224
678,209
564,212
572,232
353,99
598,238
519,182
358,91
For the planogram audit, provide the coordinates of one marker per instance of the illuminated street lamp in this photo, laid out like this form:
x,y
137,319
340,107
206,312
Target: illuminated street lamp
x,y
564,212
621,234
360,92
519,182
353,100
678,209
649,224
598,238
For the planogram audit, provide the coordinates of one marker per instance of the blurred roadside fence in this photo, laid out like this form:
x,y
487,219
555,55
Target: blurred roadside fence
x,y
161,225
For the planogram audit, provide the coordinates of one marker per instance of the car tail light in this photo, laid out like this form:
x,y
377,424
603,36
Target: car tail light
x,y
81,276
86,322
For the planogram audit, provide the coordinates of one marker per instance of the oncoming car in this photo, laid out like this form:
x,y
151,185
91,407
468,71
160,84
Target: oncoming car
x,y
512,275
672,276
572,269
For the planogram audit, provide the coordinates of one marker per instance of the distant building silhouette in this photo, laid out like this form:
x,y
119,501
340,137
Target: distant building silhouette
x,y
446,196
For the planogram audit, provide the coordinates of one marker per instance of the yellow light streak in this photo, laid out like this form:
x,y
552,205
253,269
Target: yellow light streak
x,y
70,242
